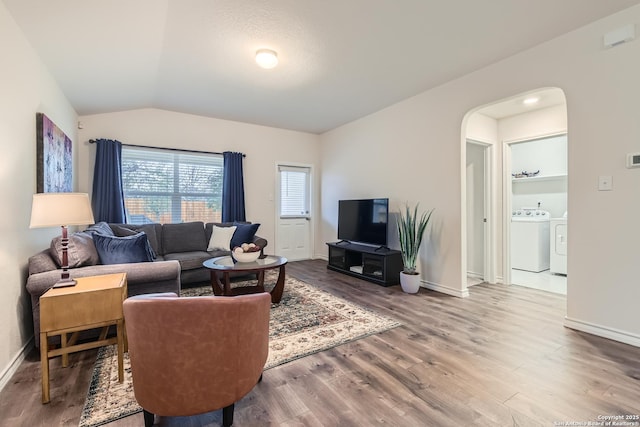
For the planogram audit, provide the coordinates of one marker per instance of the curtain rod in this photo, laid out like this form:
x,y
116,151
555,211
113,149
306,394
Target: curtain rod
x,y
92,141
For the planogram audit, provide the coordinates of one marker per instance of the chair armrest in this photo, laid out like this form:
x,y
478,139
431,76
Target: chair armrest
x,y
262,242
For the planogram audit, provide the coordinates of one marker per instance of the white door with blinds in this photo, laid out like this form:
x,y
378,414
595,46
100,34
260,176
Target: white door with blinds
x,y
293,234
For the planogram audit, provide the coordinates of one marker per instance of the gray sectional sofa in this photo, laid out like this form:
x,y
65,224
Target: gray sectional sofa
x,y
176,253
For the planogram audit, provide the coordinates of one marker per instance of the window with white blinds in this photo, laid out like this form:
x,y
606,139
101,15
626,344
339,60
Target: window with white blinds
x,y
294,191
171,186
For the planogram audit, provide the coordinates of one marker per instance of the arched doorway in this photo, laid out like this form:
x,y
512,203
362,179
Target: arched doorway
x,y
497,127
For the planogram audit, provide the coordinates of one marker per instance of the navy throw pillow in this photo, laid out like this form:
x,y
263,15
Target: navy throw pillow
x,y
120,231
244,233
122,250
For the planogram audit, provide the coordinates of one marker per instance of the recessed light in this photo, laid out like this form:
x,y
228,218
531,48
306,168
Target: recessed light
x,y
267,58
532,100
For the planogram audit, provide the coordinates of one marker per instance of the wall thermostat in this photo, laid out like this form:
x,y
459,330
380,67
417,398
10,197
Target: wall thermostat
x,y
633,160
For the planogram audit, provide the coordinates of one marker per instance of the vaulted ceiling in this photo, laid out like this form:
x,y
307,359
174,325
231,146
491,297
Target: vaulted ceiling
x,y
339,59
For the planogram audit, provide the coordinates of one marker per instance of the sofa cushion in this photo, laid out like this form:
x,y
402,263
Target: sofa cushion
x,y
80,251
221,238
244,233
122,231
183,237
121,250
130,230
154,233
189,260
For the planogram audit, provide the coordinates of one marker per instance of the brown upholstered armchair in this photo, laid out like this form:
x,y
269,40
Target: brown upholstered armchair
x,y
196,354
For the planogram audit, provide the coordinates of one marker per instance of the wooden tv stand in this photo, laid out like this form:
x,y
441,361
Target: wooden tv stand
x,y
377,265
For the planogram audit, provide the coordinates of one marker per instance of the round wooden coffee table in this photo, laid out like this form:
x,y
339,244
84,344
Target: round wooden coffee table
x,y
226,265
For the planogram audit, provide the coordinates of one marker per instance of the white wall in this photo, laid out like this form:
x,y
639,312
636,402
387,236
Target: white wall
x,y
412,151
482,128
534,124
264,147
409,152
547,156
27,88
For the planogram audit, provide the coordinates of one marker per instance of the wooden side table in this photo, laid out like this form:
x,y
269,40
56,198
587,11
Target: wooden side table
x,y
94,302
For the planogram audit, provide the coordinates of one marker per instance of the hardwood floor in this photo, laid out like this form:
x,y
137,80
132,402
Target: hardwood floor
x,y
498,358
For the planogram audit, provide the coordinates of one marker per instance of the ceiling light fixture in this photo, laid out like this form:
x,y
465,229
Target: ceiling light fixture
x,y
531,101
267,58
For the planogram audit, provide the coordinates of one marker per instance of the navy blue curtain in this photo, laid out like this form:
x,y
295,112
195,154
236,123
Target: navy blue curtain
x,y
232,188
107,198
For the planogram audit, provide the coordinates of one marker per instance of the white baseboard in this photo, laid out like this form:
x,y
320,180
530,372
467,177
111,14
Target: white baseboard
x,y
323,256
474,275
11,369
602,331
460,293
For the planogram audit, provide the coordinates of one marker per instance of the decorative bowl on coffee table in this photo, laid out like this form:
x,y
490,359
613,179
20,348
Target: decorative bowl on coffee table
x,y
245,256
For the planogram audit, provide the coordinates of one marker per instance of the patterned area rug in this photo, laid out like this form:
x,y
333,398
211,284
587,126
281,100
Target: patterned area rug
x,y
307,320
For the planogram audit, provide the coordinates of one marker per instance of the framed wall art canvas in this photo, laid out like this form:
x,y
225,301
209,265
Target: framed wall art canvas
x,y
54,157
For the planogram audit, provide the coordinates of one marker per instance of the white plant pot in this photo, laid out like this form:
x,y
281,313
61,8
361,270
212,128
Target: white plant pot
x,y
410,282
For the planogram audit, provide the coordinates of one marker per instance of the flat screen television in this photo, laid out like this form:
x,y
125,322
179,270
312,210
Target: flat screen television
x,y
363,221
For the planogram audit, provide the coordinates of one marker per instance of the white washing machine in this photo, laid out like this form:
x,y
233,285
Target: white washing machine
x,y
558,238
530,240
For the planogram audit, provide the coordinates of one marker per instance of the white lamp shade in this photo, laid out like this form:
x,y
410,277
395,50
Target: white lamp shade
x,y
267,58
58,209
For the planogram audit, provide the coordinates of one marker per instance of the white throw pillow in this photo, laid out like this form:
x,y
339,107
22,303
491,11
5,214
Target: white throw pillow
x,y
221,238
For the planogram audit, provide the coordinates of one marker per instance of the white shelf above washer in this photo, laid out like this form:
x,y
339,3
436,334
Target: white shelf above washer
x,y
539,178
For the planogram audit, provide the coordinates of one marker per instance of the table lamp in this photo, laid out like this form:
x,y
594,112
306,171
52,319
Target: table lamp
x,y
61,210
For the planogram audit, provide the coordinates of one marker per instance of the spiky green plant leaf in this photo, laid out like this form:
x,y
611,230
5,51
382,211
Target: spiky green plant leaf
x,y
411,229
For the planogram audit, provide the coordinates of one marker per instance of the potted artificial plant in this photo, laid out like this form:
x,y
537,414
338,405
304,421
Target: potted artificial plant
x,y
410,231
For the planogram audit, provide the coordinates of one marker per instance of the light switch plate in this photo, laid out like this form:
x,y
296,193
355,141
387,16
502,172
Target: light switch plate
x,y
605,183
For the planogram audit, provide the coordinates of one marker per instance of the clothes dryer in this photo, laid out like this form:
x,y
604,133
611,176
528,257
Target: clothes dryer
x,y
558,239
